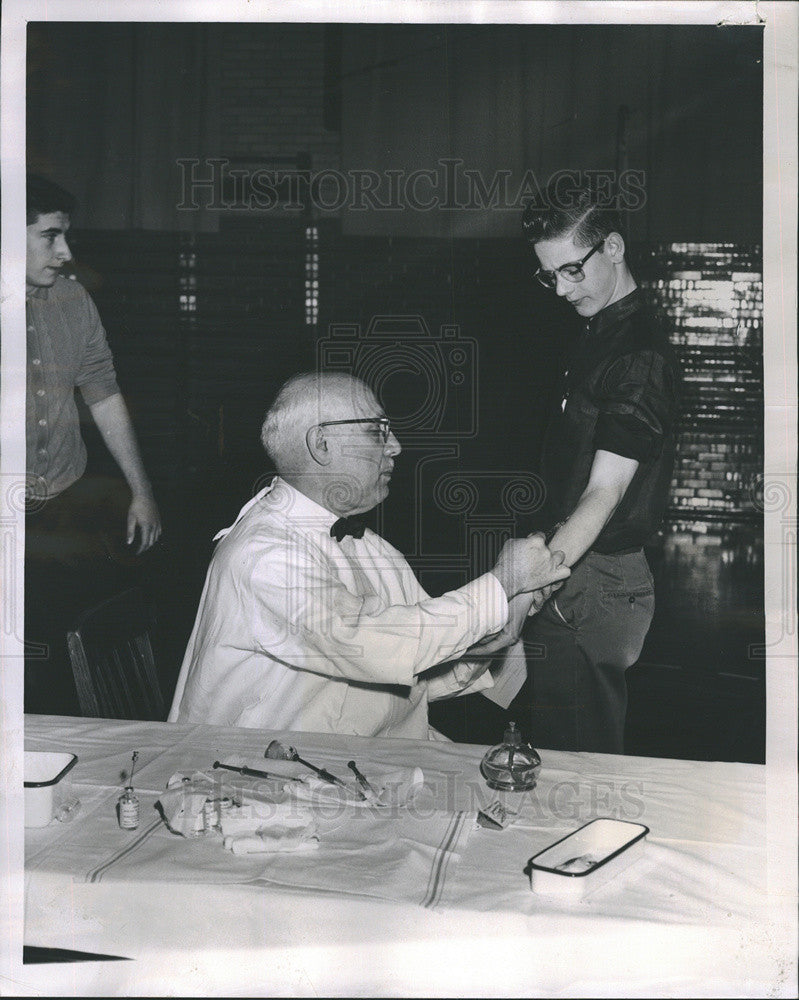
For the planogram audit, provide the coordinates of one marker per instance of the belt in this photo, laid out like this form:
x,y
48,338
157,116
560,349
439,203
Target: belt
x,y
619,552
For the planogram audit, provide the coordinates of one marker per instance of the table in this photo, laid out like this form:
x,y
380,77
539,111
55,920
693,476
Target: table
x,y
691,918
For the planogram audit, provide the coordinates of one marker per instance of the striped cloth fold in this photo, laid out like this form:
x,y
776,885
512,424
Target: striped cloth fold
x,y
386,854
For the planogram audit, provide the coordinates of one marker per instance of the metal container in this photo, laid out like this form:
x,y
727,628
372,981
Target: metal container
x,y
587,858
46,784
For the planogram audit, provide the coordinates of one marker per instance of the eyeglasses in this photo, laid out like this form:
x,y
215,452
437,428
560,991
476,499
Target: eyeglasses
x,y
383,425
571,272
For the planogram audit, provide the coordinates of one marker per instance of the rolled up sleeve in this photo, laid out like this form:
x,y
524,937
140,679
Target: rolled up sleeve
x,y
636,406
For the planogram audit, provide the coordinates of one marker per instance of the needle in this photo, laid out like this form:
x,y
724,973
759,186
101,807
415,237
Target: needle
x,y
251,772
323,774
361,779
277,750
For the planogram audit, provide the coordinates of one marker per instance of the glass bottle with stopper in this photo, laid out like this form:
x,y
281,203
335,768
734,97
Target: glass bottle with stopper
x,y
511,765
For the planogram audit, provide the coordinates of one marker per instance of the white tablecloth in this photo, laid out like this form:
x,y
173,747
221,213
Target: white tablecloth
x,y
690,918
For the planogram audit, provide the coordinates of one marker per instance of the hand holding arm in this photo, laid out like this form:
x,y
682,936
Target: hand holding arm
x,y
610,477
112,419
526,564
540,597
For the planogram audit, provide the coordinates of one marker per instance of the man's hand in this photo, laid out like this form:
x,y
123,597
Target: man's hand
x,y
526,564
518,609
113,420
540,597
143,514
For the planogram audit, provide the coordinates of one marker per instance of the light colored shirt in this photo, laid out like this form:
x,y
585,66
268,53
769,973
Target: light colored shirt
x,y
296,631
67,348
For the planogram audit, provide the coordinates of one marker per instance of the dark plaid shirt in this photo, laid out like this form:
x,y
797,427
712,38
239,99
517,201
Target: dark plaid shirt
x,y
618,394
67,348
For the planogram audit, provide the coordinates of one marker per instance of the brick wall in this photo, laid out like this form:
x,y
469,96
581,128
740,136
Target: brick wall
x,y
711,295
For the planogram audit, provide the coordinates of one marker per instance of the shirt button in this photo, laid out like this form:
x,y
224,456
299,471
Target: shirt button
x,y
31,329
36,361
42,451
40,392
42,423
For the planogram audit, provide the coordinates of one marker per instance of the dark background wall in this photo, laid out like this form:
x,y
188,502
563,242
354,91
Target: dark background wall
x,y
679,105
207,317
111,107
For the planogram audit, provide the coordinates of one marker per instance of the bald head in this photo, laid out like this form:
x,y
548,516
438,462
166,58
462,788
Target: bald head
x,y
305,401
328,436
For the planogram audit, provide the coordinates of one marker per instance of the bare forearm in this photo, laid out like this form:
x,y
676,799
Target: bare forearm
x,y
593,511
112,419
609,480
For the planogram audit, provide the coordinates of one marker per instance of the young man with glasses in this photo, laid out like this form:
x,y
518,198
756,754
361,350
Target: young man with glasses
x,y
606,464
311,621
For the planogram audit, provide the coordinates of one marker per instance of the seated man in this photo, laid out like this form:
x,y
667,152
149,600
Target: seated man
x,y
302,626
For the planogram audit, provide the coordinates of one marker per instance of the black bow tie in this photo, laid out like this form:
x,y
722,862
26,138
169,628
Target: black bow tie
x,y
354,525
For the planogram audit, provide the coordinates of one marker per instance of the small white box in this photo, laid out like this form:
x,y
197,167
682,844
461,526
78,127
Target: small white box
x,y
587,858
45,787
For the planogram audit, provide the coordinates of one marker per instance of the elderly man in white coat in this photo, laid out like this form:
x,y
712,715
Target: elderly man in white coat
x,y
308,621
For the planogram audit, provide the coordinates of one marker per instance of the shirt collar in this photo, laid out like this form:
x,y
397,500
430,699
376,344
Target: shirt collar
x,y
291,501
38,292
301,507
616,312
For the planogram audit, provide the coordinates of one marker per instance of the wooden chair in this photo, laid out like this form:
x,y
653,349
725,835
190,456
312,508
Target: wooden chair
x,y
112,660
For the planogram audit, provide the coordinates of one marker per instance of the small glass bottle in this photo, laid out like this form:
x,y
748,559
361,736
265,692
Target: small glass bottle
x,y
511,765
128,809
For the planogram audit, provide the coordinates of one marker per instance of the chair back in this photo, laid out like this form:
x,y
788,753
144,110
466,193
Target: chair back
x,y
112,660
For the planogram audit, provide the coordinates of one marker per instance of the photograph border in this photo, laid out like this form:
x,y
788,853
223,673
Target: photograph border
x,y
780,392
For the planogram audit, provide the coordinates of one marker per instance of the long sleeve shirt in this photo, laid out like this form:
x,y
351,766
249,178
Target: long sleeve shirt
x,y
297,631
67,348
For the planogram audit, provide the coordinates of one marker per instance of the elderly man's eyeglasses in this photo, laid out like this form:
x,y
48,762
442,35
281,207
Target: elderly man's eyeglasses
x,y
572,271
383,425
